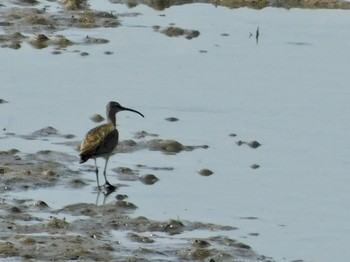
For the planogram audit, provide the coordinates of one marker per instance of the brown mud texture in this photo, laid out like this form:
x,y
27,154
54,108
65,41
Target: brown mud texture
x,y
32,230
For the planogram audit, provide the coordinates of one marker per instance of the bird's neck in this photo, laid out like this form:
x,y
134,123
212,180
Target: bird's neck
x,y
111,118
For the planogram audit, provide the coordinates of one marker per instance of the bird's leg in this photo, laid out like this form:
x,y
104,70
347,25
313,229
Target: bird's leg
x,y
104,171
96,171
110,188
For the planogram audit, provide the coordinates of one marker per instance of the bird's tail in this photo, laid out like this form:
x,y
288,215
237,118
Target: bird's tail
x,y
83,158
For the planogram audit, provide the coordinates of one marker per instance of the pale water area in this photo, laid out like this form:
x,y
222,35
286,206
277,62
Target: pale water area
x,y
290,92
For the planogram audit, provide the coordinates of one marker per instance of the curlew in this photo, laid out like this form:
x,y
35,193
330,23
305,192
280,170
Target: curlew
x,y
102,140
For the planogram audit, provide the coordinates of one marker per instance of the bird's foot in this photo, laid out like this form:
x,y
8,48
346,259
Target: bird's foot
x,y
107,188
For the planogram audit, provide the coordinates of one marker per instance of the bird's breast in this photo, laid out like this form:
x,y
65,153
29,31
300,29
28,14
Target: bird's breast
x,y
95,136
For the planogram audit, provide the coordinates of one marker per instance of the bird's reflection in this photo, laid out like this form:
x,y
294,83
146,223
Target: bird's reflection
x,y
104,193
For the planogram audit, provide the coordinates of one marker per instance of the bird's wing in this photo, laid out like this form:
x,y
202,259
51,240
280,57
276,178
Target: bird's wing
x,y
95,136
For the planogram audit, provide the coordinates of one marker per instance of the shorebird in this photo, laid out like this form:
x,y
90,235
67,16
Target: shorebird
x,y
102,140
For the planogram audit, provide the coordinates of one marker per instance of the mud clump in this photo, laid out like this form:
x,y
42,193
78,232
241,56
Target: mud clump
x,y
56,223
171,146
93,40
8,249
46,131
125,205
205,172
254,166
199,254
41,204
74,4
171,119
173,227
27,240
97,118
252,144
2,101
173,31
39,41
149,179
94,19
200,243
140,239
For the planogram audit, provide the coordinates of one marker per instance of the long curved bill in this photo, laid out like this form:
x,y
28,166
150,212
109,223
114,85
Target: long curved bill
x,y
132,110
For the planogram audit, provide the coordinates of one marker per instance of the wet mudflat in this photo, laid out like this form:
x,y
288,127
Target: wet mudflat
x,y
101,231
238,157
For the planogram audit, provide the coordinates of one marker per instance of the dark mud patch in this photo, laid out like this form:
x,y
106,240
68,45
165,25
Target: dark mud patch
x,y
173,31
32,171
39,26
205,172
32,230
149,179
254,166
251,144
172,119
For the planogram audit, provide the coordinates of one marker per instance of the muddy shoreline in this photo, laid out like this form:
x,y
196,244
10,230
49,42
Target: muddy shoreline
x,y
106,231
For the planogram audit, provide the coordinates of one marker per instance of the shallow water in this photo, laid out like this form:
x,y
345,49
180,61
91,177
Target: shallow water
x,y
289,92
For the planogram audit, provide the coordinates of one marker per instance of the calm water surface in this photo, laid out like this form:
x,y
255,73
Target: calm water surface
x,y
290,92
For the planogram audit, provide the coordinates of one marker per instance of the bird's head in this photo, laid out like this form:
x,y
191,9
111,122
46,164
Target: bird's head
x,y
115,107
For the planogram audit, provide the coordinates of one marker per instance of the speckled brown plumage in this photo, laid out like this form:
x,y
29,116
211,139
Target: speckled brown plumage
x,y
102,140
